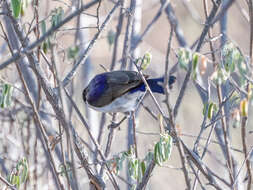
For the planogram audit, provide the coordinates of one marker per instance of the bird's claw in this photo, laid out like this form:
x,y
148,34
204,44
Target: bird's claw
x,y
114,125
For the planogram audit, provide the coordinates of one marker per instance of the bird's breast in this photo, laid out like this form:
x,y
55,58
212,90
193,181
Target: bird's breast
x,y
125,103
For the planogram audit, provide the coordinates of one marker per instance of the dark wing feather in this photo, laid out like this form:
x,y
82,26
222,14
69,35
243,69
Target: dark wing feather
x,y
106,87
121,82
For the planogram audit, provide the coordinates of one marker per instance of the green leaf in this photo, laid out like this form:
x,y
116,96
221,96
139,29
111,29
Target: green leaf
x,y
10,178
146,60
6,95
110,37
24,170
131,168
73,52
194,65
163,149
16,7
9,95
231,57
45,47
212,108
205,108
157,155
57,16
149,157
43,27
19,174
46,43
220,76
195,61
143,167
17,181
184,57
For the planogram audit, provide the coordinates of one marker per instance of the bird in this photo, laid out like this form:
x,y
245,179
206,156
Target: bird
x,y
120,91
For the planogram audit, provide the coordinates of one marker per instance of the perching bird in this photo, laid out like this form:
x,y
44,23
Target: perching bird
x,y
120,91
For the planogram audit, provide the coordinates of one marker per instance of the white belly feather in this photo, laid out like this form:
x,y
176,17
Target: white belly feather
x,y
127,102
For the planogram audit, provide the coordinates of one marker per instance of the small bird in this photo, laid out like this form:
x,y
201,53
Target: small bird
x,y
120,91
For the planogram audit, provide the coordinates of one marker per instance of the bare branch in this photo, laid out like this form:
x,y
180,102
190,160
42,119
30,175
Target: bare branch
x,y
33,45
84,55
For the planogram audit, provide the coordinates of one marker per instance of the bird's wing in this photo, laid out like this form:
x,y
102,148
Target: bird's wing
x,y
122,77
123,81
108,86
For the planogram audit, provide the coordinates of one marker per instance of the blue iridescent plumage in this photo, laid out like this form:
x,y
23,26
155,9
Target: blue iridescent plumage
x,y
119,91
99,86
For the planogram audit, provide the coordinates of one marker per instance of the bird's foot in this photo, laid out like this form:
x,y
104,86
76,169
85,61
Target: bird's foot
x,y
115,125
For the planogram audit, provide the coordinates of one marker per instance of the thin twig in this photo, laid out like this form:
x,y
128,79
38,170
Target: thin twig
x,y
127,39
134,133
56,76
225,134
7,183
174,22
112,178
244,161
117,35
84,55
152,22
146,175
108,144
36,114
41,127
223,11
33,45
246,153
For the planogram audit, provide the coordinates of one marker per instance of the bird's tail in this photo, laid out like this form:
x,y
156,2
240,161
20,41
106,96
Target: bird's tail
x,y
156,84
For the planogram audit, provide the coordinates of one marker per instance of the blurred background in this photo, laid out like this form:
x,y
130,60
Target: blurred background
x,y
191,20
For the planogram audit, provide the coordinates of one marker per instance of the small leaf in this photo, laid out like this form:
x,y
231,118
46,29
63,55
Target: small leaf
x,y
184,57
22,11
157,157
43,27
220,76
160,147
143,168
6,96
57,16
205,108
163,149
203,64
19,174
195,61
149,157
73,52
244,108
16,7
24,171
210,110
146,60
110,37
231,57
10,178
17,181
9,95
45,47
